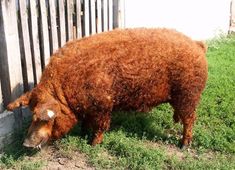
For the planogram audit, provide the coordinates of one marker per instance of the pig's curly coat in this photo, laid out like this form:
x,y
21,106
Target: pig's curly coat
x,y
131,69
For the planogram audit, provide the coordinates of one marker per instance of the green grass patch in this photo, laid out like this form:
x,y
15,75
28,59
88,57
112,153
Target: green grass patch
x,y
17,157
120,151
145,141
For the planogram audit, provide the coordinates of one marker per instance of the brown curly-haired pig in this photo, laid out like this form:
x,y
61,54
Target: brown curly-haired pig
x,y
130,69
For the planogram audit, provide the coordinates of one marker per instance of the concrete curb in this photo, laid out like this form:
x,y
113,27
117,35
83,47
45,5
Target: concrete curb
x,y
10,122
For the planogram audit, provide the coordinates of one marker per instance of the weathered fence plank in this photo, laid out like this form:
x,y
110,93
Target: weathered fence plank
x,y
121,14
10,62
44,32
53,27
118,13
93,18
4,73
78,17
115,13
232,17
99,16
110,14
62,33
70,20
26,53
105,15
35,40
87,18
1,102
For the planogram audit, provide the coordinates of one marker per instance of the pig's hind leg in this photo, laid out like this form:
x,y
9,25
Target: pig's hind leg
x,y
184,105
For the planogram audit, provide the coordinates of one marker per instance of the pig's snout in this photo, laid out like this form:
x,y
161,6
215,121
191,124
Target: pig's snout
x,y
35,140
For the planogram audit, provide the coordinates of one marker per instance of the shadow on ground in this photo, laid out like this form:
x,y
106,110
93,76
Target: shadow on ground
x,y
153,126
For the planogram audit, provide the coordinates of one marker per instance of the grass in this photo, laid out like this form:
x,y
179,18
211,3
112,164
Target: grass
x,y
149,141
16,157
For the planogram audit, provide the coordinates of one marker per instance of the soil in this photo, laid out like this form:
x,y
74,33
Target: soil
x,y
56,161
172,150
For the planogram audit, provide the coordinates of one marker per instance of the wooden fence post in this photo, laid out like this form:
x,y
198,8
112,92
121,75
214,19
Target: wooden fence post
x,y
105,15
119,13
4,71
232,17
62,33
26,53
78,21
99,16
53,26
115,13
70,20
86,14
10,62
110,14
93,17
35,40
44,32
1,104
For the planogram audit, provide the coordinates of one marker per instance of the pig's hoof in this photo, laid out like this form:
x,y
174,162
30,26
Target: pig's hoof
x,y
97,139
184,147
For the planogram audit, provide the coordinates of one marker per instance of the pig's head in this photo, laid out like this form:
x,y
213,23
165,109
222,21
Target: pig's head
x,y
41,128
50,120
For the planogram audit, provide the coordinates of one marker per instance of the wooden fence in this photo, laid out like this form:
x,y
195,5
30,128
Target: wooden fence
x,y
31,30
232,17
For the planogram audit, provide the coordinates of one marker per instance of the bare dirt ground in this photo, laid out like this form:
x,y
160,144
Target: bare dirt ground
x,y
56,161
172,150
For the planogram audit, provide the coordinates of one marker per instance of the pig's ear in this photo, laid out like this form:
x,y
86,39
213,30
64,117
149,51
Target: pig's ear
x,y
21,101
47,115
